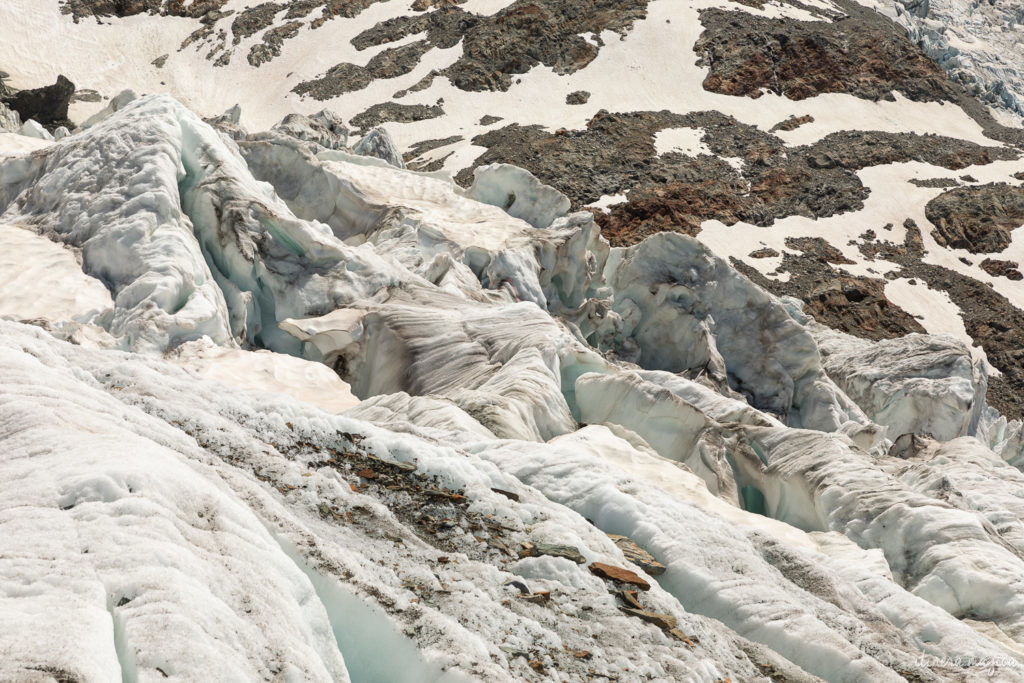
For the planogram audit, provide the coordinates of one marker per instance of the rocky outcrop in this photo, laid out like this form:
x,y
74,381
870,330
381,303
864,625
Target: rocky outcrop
x,y
998,268
525,34
394,111
272,42
746,54
792,123
978,218
577,97
47,105
615,154
346,77
125,8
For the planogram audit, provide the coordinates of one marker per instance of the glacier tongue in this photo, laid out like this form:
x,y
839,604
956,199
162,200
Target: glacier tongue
x,y
511,391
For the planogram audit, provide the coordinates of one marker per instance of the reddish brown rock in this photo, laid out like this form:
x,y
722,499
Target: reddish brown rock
x,y
978,218
997,268
619,575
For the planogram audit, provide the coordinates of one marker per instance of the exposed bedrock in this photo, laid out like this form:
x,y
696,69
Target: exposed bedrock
x,y
978,218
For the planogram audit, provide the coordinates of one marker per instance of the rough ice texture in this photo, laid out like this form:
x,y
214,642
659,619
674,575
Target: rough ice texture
x,y
974,42
180,500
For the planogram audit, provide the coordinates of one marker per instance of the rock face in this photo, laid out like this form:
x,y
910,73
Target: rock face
x,y
978,218
998,268
616,154
47,105
393,111
126,8
577,97
497,47
745,54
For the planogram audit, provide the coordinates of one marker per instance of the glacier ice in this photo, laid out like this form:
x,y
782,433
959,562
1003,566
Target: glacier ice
x,y
246,313
917,384
378,144
34,129
518,193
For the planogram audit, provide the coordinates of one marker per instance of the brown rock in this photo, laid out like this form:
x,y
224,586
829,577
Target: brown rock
x,y
619,575
538,598
792,123
978,218
637,555
998,268
858,55
508,494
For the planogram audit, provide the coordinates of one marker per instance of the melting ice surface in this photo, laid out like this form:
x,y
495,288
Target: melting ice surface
x,y
225,322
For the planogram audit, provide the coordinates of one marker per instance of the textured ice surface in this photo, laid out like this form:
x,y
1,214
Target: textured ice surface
x,y
918,384
182,504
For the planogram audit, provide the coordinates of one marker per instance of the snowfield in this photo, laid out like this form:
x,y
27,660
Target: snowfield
x,y
284,412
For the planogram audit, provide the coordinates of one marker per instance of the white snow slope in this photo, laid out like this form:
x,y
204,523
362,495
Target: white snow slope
x,y
188,492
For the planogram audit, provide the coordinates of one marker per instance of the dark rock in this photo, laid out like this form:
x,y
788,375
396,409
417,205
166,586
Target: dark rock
x,y
273,39
792,123
764,252
855,305
487,120
345,77
615,154
47,105
568,552
817,248
393,111
420,148
666,622
934,182
998,268
978,218
508,494
497,47
252,20
746,54
577,97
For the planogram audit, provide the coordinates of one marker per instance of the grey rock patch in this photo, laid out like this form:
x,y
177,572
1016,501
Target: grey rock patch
x,y
393,111
577,97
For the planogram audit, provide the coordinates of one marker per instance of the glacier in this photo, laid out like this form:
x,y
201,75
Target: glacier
x,y
286,410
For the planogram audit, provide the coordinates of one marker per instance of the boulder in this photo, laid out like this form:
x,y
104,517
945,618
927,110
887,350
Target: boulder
x,y
47,105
